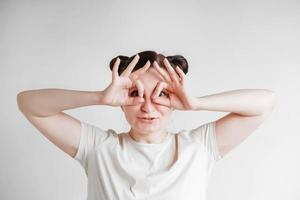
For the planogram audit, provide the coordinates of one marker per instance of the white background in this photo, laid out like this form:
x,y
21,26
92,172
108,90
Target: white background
x,y
228,44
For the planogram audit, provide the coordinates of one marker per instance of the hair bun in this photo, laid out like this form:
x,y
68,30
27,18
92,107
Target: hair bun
x,y
180,61
122,65
176,60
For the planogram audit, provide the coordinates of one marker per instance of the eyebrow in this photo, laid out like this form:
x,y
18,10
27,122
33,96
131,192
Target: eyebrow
x,y
135,88
132,88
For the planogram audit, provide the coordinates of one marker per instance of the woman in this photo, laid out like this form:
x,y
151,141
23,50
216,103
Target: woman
x,y
147,161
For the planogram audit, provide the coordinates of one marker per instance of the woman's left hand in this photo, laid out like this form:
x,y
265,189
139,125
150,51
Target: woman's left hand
x,y
177,97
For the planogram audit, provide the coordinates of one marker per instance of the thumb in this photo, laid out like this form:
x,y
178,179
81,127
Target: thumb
x,y
162,101
135,100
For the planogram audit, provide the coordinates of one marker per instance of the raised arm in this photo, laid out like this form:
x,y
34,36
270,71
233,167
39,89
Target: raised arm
x,y
248,107
44,110
44,107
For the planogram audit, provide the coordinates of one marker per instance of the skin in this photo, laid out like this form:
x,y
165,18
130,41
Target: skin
x,y
248,107
162,92
143,130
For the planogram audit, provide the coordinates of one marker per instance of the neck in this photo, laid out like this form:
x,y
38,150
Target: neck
x,y
152,138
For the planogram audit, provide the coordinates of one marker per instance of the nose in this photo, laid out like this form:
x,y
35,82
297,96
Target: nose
x,y
147,106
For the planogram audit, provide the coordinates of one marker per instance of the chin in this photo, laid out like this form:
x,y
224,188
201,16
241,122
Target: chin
x,y
147,130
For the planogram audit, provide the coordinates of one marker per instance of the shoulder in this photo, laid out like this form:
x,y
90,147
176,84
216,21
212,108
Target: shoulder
x,y
199,133
96,134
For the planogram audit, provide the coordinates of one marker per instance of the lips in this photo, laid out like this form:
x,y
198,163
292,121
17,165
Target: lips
x,y
147,118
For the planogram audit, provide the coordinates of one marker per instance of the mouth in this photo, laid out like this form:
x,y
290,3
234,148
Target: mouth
x,y
147,119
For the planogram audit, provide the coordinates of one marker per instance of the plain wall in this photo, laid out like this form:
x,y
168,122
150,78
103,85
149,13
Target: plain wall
x,y
229,45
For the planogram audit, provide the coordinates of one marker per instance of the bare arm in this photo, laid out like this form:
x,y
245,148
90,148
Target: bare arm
x,y
44,110
44,107
47,102
246,102
248,108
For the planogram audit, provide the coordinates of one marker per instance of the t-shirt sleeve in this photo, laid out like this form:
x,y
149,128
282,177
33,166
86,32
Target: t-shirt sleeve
x,y
206,135
90,137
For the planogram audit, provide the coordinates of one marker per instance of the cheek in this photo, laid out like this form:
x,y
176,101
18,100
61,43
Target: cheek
x,y
165,111
130,112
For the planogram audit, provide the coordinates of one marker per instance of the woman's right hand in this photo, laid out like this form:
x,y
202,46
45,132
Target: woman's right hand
x,y
117,93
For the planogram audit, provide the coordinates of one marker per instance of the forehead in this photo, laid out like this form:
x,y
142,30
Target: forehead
x,y
151,76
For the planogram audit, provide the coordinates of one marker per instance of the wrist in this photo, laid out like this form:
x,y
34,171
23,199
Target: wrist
x,y
195,104
99,98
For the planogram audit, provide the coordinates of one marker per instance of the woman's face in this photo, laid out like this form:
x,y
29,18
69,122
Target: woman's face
x,y
148,109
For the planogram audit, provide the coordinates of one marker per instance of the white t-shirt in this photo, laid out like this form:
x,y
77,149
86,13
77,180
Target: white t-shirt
x,y
120,168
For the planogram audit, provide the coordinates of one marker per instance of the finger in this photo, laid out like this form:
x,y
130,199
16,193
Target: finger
x,y
130,67
134,101
140,71
140,88
181,74
128,83
162,101
160,86
162,72
173,74
115,69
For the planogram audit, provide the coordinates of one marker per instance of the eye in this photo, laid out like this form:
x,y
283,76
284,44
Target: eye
x,y
134,93
164,94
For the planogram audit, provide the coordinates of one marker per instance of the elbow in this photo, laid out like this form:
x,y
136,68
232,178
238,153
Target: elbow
x,y
20,100
271,101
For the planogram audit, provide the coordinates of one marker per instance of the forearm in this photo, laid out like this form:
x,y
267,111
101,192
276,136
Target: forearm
x,y
47,102
244,101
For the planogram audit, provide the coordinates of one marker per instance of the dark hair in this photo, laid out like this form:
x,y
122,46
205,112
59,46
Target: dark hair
x,y
176,60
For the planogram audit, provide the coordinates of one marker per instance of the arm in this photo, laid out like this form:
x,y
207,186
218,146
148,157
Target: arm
x,y
47,102
245,102
248,109
44,110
